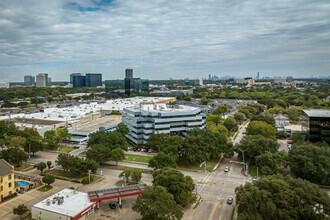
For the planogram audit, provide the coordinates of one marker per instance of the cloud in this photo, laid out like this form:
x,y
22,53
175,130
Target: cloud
x,y
162,39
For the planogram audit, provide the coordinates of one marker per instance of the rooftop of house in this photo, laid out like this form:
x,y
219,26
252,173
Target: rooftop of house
x,y
322,113
5,168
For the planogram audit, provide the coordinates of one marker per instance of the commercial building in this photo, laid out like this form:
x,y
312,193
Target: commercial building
x,y
41,80
174,92
280,81
317,124
4,85
7,182
93,79
66,204
198,82
49,81
129,85
152,118
79,80
29,80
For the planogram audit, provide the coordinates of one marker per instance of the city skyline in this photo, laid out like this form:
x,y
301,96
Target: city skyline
x,y
162,40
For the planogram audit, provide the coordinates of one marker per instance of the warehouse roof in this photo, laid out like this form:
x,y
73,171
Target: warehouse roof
x,y
74,202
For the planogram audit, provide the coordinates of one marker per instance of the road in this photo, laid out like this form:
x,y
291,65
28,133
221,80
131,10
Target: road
x,y
220,185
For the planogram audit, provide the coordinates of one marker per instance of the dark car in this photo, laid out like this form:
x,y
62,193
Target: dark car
x,y
230,200
112,205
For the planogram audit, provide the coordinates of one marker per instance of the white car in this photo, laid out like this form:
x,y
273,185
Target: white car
x,y
226,169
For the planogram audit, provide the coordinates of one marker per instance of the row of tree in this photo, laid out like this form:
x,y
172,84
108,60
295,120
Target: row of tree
x,y
75,164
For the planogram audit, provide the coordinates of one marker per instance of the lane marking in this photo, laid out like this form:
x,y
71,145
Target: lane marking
x,y
213,210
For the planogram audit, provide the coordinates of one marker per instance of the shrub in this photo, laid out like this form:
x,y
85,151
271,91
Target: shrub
x,y
85,180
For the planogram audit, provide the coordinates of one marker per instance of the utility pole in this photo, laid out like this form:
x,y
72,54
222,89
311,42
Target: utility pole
x,y
30,149
89,176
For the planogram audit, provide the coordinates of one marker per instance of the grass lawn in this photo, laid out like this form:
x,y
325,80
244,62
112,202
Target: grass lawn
x,y
24,167
195,166
62,149
253,171
137,158
68,175
45,188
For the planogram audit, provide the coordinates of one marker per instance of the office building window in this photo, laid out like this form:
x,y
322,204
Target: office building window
x,y
9,185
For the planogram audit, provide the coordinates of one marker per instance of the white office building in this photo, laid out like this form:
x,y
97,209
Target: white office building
x,y
41,80
149,118
198,82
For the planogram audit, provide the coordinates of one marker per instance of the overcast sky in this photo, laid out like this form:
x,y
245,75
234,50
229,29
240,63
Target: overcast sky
x,y
160,39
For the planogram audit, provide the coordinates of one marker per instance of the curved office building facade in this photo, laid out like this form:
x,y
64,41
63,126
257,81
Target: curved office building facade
x,y
145,119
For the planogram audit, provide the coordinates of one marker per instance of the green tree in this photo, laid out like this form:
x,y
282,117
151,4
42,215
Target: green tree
x,y
272,163
136,175
162,160
99,153
7,128
110,139
63,160
49,164
221,109
17,142
122,128
156,203
216,119
41,166
245,112
117,155
297,138
277,197
53,137
14,156
311,162
239,117
48,179
256,145
126,173
33,140
20,210
261,128
230,124
266,117
176,183
37,101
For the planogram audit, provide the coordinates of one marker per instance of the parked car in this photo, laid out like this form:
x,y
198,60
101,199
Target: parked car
x,y
112,205
226,169
134,149
290,142
150,151
230,200
255,179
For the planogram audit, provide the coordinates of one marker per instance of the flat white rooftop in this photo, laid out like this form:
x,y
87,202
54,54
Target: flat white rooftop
x,y
162,108
74,203
74,112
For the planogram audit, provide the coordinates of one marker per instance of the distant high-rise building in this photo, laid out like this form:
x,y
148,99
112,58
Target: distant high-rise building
x,y
49,81
258,76
198,82
128,73
74,74
4,85
77,80
289,79
210,77
93,79
29,80
41,80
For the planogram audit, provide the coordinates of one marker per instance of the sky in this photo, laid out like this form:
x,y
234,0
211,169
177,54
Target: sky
x,y
163,39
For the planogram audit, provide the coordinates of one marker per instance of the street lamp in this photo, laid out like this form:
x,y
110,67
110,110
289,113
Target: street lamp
x,y
124,179
243,159
89,176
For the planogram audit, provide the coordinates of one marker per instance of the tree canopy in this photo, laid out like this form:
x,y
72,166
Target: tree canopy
x,y
261,128
277,197
162,160
255,145
180,186
311,162
157,203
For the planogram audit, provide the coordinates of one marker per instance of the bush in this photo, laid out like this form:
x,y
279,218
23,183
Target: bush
x,y
281,135
85,180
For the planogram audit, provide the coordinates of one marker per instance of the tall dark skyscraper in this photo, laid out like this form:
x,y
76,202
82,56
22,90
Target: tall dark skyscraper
x,y
78,80
29,80
258,76
93,79
128,81
129,73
